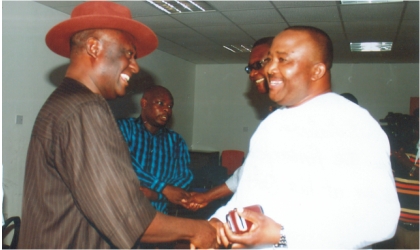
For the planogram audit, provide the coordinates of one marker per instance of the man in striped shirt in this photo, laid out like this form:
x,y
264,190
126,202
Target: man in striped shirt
x,y
80,189
159,155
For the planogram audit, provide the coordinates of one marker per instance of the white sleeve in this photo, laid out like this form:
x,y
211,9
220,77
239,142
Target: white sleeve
x,y
233,181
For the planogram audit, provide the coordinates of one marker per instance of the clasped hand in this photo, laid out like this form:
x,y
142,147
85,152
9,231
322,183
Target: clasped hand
x,y
263,231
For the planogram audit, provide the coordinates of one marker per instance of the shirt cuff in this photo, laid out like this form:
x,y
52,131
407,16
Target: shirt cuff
x,y
158,186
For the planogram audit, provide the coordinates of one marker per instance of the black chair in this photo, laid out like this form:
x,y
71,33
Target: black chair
x,y
7,228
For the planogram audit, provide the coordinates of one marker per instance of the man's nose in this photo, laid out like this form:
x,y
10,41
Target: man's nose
x,y
269,67
134,66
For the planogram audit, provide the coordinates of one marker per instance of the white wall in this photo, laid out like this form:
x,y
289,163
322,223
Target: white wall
x,y
27,68
226,112
223,110
380,88
31,72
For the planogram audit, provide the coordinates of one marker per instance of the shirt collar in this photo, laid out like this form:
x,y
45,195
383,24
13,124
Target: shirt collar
x,y
140,121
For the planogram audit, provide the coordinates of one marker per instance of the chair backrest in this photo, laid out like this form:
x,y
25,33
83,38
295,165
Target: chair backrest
x,y
232,159
6,229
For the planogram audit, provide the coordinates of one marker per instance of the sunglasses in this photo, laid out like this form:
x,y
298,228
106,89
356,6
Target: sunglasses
x,y
256,65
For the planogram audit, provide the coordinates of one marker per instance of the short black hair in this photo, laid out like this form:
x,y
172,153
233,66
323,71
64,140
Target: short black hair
x,y
154,90
264,40
350,97
322,39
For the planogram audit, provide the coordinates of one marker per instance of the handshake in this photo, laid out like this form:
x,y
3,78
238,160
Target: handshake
x,y
197,200
247,227
252,226
190,200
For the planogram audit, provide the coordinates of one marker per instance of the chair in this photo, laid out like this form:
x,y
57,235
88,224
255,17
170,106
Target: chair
x,y
6,229
232,159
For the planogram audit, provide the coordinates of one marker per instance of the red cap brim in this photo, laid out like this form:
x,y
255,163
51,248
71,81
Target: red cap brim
x,y
58,38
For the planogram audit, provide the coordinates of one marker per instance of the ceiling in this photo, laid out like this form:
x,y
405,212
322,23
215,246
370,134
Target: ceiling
x,y
199,37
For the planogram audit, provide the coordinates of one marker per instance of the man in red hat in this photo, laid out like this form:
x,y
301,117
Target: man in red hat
x,y
80,189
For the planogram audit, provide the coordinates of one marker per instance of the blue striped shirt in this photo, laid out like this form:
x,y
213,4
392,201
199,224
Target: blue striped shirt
x,y
158,159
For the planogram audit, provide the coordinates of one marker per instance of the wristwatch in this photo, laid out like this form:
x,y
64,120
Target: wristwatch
x,y
282,242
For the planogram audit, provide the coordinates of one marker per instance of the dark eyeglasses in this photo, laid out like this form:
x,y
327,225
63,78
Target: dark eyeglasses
x,y
256,65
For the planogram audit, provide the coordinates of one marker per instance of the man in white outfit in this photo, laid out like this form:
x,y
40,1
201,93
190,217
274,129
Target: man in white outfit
x,y
319,165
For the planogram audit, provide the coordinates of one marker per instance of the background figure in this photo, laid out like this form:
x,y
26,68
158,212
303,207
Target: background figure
x,y
256,62
305,158
403,134
255,70
159,155
350,97
80,190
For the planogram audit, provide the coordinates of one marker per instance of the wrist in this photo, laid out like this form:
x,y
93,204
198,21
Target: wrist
x,y
165,190
218,192
282,243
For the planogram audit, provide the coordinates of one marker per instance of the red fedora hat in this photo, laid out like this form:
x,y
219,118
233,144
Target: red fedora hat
x,y
100,15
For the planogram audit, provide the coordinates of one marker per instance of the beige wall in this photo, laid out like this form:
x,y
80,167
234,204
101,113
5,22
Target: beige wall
x,y
225,107
26,83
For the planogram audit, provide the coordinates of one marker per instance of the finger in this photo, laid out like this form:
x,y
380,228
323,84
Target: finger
x,y
191,206
186,194
223,238
193,193
228,232
219,241
232,237
249,215
192,247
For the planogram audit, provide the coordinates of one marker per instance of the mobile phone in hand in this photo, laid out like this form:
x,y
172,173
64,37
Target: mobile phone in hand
x,y
238,224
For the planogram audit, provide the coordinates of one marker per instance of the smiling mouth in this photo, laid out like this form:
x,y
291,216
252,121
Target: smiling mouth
x,y
125,77
164,117
259,80
275,83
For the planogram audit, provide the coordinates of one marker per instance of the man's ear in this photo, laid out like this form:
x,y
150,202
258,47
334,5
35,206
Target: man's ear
x,y
318,71
93,47
143,103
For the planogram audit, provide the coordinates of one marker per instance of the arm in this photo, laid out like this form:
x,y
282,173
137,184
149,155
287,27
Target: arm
x,y
404,162
182,176
99,175
176,195
150,194
167,228
200,200
233,181
162,169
